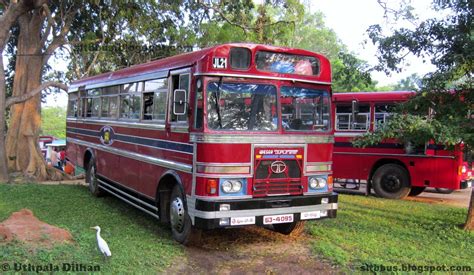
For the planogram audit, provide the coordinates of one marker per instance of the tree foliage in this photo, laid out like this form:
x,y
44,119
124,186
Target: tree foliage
x,y
446,94
53,122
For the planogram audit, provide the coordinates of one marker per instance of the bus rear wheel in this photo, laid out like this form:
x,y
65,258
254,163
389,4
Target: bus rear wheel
x,y
293,229
181,225
91,179
416,190
391,181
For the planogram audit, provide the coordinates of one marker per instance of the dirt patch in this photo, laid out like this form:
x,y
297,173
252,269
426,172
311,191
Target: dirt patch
x,y
25,227
251,250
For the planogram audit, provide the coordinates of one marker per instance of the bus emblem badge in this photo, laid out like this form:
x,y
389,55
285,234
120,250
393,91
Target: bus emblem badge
x,y
107,135
278,167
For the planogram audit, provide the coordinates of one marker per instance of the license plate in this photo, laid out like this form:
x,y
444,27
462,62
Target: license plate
x,y
286,218
242,220
310,215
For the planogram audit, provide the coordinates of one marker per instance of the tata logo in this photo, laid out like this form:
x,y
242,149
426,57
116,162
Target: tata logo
x,y
107,135
278,167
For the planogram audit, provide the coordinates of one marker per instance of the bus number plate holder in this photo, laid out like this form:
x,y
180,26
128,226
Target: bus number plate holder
x,y
285,218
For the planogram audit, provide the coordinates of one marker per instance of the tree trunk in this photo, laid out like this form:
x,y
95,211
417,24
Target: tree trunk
x,y
470,215
3,158
23,152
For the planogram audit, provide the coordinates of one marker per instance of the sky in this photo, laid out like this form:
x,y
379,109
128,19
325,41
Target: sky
x,y
350,20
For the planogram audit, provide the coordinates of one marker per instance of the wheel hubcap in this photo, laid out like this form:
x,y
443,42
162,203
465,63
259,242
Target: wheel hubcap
x,y
177,214
391,183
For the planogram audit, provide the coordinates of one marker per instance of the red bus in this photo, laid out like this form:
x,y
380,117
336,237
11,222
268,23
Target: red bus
x,y
232,135
392,169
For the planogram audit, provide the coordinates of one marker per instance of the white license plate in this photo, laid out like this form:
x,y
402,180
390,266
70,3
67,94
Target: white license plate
x,y
286,218
242,220
310,215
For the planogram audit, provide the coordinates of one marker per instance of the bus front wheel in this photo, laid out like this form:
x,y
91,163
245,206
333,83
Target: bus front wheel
x,y
181,225
391,181
293,229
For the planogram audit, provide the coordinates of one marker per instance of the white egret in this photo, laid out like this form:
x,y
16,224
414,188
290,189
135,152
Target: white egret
x,y
103,247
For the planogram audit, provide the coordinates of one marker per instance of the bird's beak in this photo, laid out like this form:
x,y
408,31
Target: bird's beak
x,y
92,227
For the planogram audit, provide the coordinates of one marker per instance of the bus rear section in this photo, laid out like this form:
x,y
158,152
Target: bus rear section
x,y
228,136
394,170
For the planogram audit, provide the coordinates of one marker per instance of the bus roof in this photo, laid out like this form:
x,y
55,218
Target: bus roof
x,y
373,96
204,59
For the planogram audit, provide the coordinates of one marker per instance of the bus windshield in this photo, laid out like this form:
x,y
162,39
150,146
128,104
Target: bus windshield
x,y
241,106
304,109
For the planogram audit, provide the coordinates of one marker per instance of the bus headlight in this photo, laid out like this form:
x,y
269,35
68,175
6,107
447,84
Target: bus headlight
x,y
313,183
231,186
317,183
226,186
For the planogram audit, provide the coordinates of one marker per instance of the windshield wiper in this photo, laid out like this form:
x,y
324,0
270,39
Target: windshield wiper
x,y
217,102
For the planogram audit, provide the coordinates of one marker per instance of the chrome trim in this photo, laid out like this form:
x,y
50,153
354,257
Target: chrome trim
x,y
147,76
260,212
395,155
319,163
118,123
126,187
129,202
349,134
152,160
224,198
226,176
128,195
176,128
319,173
223,164
264,77
203,169
275,139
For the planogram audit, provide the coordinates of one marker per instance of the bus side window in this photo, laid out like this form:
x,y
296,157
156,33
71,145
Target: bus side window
x,y
72,105
110,102
199,114
130,101
345,121
154,99
382,114
179,82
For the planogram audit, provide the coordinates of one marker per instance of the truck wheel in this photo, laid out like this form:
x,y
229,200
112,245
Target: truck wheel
x,y
91,179
416,190
181,225
391,181
444,190
293,229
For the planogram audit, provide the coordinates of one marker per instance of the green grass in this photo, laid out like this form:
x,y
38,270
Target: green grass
x,y
377,231
137,241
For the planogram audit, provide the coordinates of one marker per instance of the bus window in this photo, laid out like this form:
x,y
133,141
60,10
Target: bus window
x,y
179,82
154,99
199,114
344,120
382,114
304,109
130,101
72,105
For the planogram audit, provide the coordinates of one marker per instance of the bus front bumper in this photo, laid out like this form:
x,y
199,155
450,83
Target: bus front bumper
x,y
208,214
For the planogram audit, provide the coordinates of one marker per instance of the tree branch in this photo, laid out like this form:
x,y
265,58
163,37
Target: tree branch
x,y
243,27
18,99
51,23
59,39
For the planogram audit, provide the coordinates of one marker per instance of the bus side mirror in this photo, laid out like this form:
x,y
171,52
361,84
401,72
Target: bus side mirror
x,y
355,106
179,102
